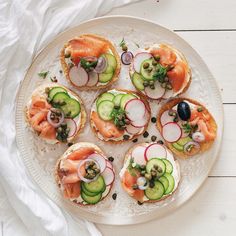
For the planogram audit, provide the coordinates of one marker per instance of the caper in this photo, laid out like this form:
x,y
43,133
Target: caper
x,y
154,63
161,80
176,119
163,85
135,186
160,142
153,138
151,184
52,116
148,176
145,65
126,137
171,113
154,173
111,159
140,203
114,196
143,172
159,169
168,86
145,134
56,120
67,54
149,70
169,67
151,82
47,90
155,167
157,58
124,48
145,83
89,171
135,140
59,130
152,87
116,107
142,167
153,120
69,144
97,171
199,109
63,125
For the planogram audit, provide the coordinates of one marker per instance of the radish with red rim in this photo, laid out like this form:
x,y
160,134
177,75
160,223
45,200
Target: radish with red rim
x,y
135,109
171,132
93,78
133,130
71,124
138,60
127,57
78,76
155,150
109,164
100,160
166,118
156,93
108,176
138,155
142,122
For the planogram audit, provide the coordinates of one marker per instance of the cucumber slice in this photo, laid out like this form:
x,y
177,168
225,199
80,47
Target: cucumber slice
x,y
105,77
55,90
59,99
169,166
105,109
117,99
83,189
164,181
156,162
105,96
91,199
156,192
177,146
125,99
95,186
183,141
111,60
72,108
144,72
137,81
171,181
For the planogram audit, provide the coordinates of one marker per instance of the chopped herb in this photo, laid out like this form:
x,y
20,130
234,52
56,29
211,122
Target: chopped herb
x,y
122,43
187,128
160,73
137,45
118,115
43,74
88,65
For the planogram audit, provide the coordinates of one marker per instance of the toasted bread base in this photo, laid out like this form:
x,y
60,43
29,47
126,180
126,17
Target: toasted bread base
x,y
66,68
57,168
203,146
127,155
135,136
83,112
183,58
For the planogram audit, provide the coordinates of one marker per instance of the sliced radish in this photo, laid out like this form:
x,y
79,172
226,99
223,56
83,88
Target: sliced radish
x,y
166,118
171,132
109,164
93,78
108,175
133,130
138,155
100,160
135,109
139,58
168,94
141,122
156,93
155,150
71,124
78,76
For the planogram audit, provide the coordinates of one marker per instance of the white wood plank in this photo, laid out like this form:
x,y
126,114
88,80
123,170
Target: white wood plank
x,y
218,50
210,212
185,14
226,163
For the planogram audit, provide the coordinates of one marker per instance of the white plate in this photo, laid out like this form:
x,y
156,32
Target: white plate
x,y
40,158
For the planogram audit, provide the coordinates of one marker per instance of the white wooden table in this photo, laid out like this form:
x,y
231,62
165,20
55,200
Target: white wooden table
x,y
210,27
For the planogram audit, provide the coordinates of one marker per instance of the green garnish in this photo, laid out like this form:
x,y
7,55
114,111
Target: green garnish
x,y
160,73
88,65
137,45
122,43
43,74
118,115
189,128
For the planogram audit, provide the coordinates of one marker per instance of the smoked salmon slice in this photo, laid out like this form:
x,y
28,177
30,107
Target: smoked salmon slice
x,y
87,46
106,128
81,153
72,190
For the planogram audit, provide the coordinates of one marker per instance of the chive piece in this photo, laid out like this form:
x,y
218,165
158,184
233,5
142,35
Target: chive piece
x,y
43,74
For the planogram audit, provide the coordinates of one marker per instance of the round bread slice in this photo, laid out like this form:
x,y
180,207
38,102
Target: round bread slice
x,y
203,145
59,171
66,67
80,120
180,57
121,139
170,157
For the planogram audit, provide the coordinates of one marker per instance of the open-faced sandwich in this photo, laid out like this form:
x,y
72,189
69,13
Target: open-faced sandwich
x,y
56,113
90,62
160,72
118,115
84,174
150,172
187,127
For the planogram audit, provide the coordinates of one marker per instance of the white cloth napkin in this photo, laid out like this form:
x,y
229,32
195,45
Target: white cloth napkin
x,y
26,26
